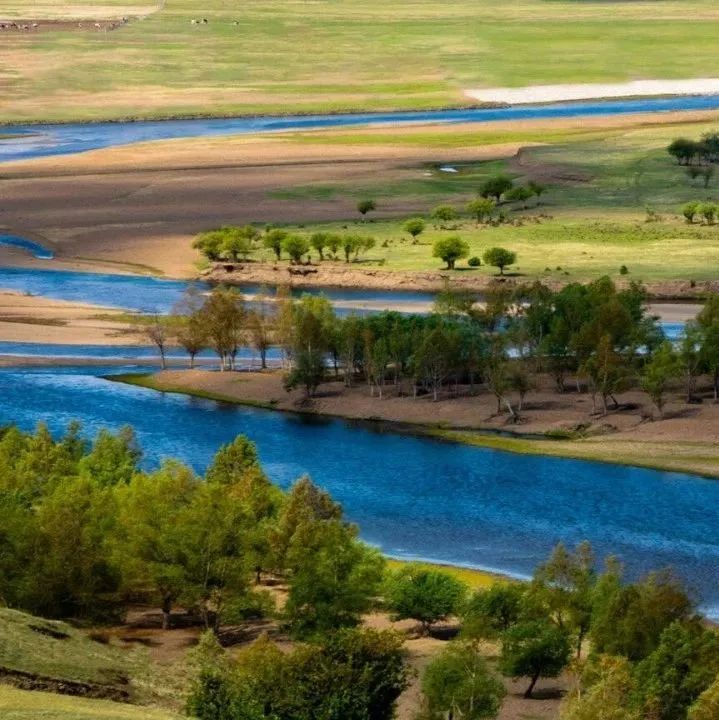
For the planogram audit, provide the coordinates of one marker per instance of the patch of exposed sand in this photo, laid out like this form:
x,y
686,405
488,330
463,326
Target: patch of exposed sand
x,y
32,319
590,91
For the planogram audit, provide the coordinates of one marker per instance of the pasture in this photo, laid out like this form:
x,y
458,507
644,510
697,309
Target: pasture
x,y
286,56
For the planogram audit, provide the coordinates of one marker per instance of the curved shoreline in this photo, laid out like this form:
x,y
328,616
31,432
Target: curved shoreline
x,y
606,449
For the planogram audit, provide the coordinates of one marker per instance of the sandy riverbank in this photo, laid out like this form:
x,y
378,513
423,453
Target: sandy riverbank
x,y
686,440
595,91
33,319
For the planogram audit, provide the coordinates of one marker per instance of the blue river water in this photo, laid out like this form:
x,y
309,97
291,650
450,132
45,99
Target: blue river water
x,y
412,497
43,140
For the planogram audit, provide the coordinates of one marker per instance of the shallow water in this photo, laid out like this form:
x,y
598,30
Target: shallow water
x,y
43,140
412,497
35,249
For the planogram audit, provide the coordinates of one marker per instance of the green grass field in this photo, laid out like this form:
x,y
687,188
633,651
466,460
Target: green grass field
x,y
26,705
333,55
590,221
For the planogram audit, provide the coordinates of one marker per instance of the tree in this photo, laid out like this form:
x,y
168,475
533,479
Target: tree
x,y
273,241
458,684
444,214
414,227
237,244
232,462
493,611
422,594
707,705
223,316
148,546
683,149
260,323
537,189
334,577
663,366
708,212
496,186
189,327
318,241
629,619
450,249
350,675
690,355
534,649
608,695
366,206
499,257
563,588
481,209
158,331
519,194
296,246
683,665
210,244
690,210
113,458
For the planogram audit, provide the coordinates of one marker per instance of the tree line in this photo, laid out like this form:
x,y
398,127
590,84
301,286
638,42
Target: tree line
x,y
596,336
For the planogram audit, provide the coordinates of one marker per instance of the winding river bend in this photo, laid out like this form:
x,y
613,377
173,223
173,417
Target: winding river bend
x,y
43,140
413,497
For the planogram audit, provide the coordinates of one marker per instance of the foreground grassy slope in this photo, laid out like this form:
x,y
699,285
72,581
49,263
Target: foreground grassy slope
x,y
330,55
26,705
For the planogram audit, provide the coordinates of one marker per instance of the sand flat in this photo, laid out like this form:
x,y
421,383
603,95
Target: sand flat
x,y
594,91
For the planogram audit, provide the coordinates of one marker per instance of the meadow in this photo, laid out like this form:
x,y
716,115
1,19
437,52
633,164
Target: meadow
x,y
335,55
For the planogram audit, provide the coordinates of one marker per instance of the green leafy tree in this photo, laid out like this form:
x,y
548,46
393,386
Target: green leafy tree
x,y
629,619
684,150
210,244
490,612
450,249
443,215
366,206
334,577
690,210
520,194
318,241
496,186
414,227
606,693
458,684
481,209
273,240
296,246
664,366
423,594
499,258
232,461
149,547
537,189
708,211
113,458
683,665
534,649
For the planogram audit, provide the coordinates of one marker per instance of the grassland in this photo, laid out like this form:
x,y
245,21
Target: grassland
x,y
27,705
334,55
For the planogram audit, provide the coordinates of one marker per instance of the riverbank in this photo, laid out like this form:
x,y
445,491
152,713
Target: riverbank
x,y
554,425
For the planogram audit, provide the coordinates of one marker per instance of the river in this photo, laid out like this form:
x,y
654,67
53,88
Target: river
x,y
43,140
412,497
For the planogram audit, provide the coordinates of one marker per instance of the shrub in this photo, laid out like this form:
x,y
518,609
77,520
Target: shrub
x,y
474,261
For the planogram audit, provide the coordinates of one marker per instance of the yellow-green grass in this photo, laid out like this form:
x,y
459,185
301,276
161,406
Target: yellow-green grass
x,y
699,458
334,55
27,705
474,579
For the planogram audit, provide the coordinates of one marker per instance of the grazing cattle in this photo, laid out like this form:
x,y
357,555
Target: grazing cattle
x,y
204,21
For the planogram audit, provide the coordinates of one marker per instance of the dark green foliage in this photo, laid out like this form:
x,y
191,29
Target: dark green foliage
x,y
499,258
493,611
496,186
534,649
682,666
350,675
474,261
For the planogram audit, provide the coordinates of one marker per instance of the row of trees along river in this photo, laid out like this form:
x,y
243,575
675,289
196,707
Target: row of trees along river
x,y
595,335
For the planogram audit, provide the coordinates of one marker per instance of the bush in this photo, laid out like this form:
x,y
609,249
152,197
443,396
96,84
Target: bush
x,y
624,270
474,261
450,250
